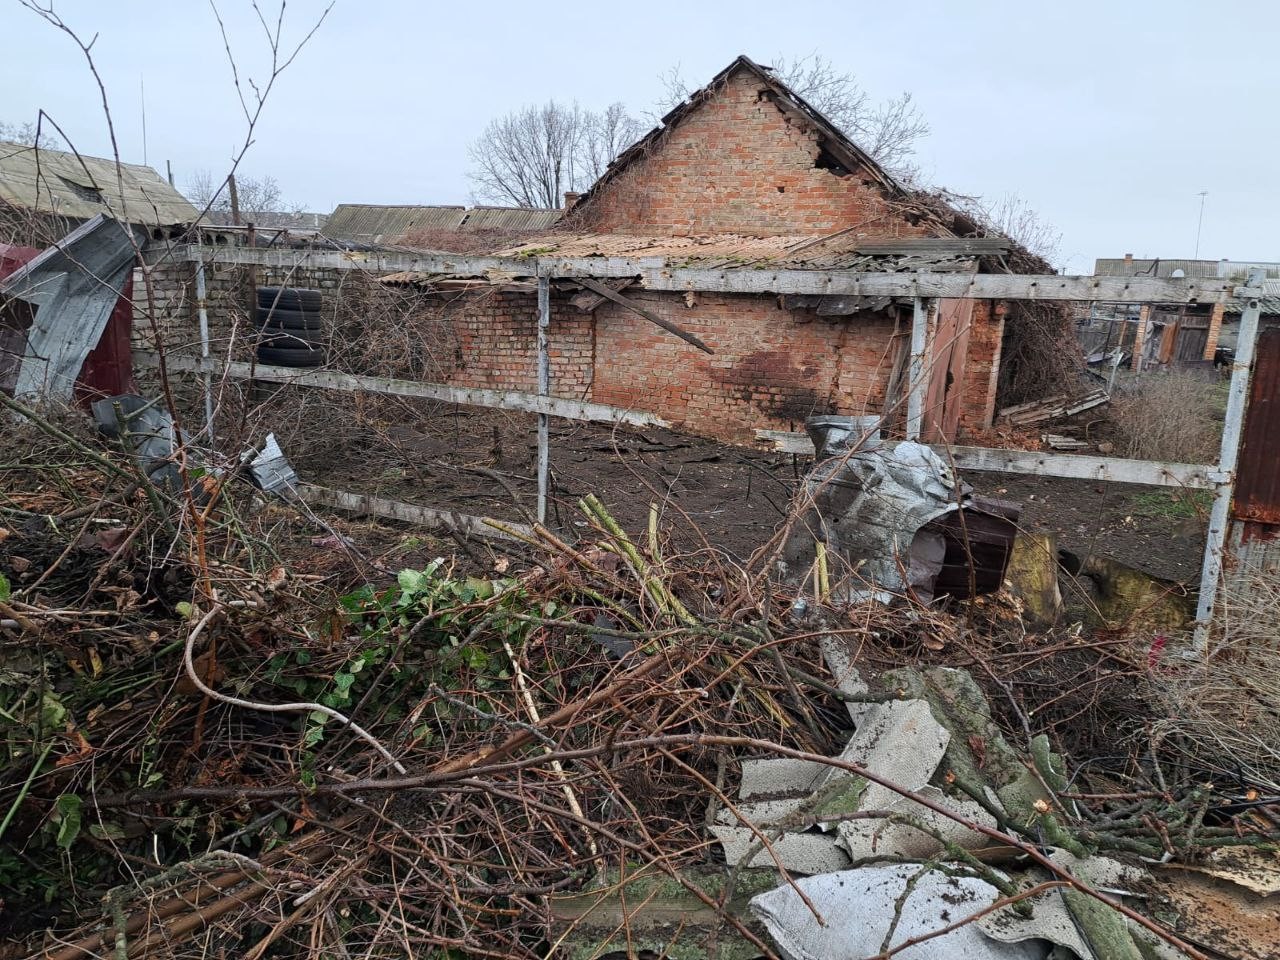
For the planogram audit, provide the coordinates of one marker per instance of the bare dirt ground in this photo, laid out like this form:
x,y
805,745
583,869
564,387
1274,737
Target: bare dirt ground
x,y
483,463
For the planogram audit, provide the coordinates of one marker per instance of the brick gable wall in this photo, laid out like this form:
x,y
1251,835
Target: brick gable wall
x,y
740,164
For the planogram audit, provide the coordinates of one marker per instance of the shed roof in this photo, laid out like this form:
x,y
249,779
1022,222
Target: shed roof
x,y
373,223
80,187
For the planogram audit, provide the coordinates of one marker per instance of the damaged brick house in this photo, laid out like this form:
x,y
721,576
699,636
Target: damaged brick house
x,y
745,172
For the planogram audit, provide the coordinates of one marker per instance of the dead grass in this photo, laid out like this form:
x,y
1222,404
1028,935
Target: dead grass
x,y
1173,416
1226,709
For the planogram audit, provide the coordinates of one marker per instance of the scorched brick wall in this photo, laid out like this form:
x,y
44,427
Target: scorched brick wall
x,y
771,369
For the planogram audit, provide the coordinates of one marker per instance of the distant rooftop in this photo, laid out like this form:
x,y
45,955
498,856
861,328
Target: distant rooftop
x,y
79,187
1202,269
270,220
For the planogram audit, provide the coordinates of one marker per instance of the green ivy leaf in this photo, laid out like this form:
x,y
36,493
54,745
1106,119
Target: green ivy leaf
x,y
106,831
412,582
67,814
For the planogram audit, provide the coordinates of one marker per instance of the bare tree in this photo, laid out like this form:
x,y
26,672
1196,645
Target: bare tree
x,y
532,156
888,130
1014,217
256,195
26,134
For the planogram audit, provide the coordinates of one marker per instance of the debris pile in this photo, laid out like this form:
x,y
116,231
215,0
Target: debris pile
x,y
232,728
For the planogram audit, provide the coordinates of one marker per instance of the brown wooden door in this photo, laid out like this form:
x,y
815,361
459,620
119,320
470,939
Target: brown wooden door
x,y
948,357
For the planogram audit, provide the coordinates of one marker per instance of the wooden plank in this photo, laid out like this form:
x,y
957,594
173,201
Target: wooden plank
x,y
609,293
468,396
544,391
989,460
432,517
656,274
917,381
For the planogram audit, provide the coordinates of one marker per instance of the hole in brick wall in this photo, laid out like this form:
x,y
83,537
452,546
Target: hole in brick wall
x,y
782,189
827,161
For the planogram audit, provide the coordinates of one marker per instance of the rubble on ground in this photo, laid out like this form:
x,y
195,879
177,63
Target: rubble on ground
x,y
609,746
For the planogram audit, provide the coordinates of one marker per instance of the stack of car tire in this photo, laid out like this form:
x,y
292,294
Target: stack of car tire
x,y
291,333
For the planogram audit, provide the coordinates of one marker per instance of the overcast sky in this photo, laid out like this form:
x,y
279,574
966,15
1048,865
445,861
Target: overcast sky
x,y
1108,118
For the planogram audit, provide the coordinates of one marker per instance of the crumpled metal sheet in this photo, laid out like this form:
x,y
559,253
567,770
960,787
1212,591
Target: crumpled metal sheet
x,y
74,286
868,509
272,470
858,907
146,430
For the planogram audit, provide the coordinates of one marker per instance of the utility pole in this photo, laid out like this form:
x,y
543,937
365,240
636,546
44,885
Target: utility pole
x,y
1200,223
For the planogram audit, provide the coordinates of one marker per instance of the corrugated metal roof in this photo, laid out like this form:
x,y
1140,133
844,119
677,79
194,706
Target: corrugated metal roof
x,y
813,251
368,223
80,188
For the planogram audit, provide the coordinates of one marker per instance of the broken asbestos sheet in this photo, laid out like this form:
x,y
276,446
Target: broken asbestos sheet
x,y
789,816
858,908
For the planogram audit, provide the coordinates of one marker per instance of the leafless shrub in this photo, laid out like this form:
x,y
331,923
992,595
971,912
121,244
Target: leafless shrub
x,y
1040,355
1226,708
1170,416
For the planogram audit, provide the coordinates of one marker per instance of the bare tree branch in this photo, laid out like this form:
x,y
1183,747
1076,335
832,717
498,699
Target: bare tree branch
x,y
532,156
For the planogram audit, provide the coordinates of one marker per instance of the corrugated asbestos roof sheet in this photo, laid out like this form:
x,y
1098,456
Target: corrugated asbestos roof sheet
x,y
80,188
510,218
368,223
1269,301
816,252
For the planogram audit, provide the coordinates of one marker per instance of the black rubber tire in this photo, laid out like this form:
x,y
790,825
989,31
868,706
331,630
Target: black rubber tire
x,y
280,357
289,319
304,324
291,340
290,298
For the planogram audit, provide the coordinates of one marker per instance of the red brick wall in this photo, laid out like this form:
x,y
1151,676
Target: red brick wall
x,y
771,369
739,164
982,371
495,340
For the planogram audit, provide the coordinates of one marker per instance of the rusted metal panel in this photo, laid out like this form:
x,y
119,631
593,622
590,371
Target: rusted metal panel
x,y
108,369
1258,474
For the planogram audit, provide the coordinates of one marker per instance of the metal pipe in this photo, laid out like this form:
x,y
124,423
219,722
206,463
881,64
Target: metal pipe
x,y
1224,489
916,381
206,376
544,389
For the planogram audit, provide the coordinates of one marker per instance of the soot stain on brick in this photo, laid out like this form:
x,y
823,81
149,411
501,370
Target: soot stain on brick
x,y
779,384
